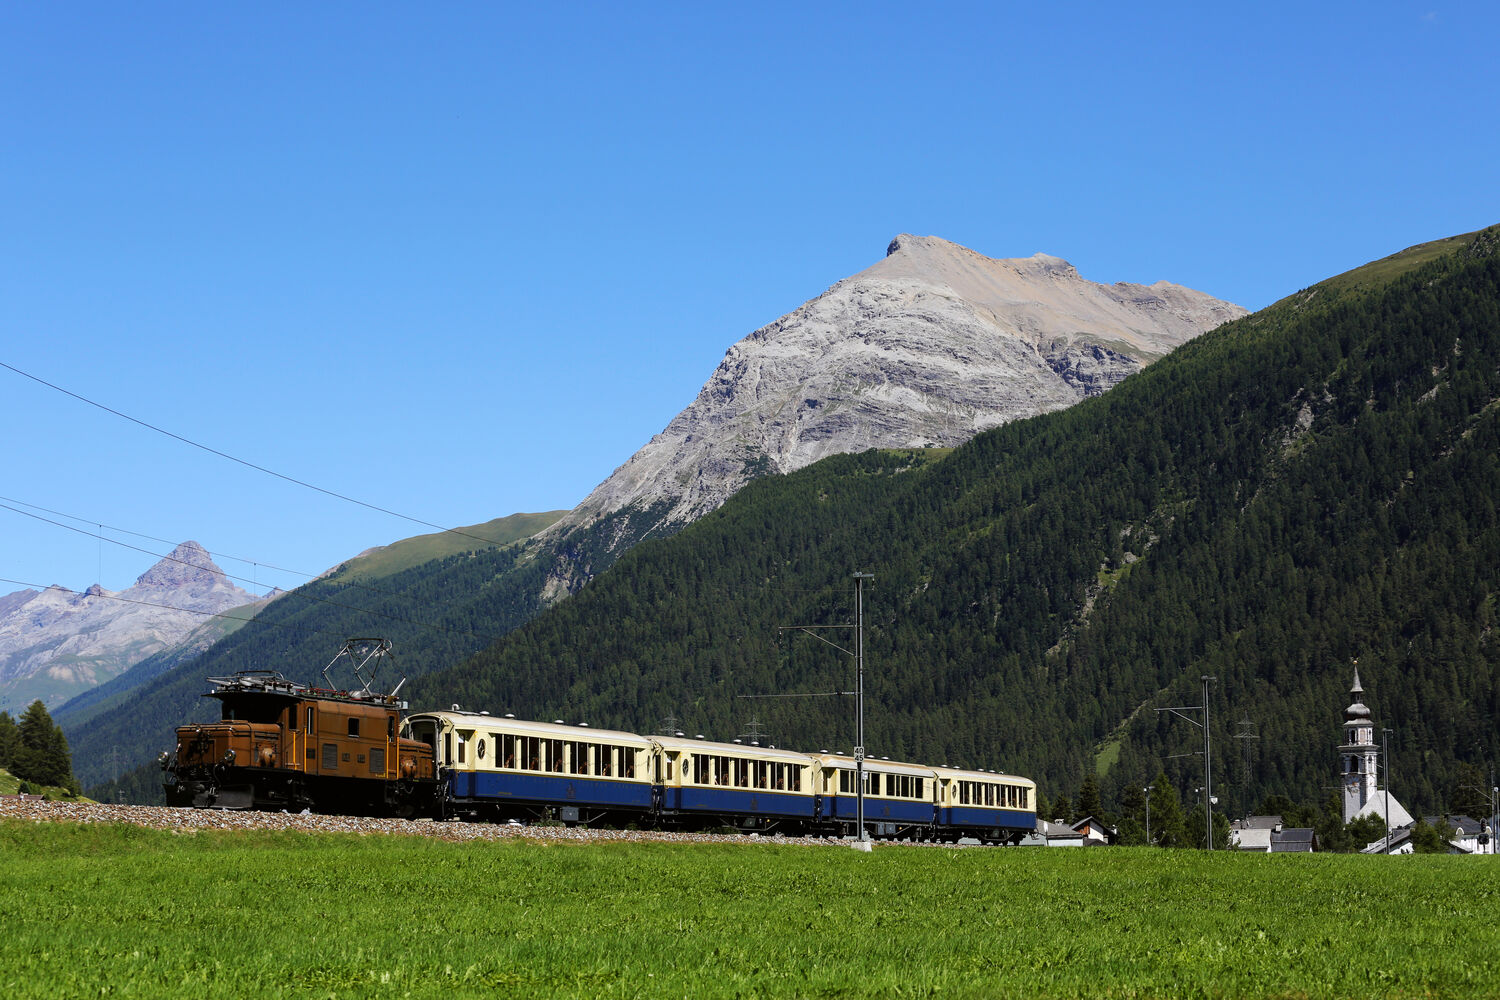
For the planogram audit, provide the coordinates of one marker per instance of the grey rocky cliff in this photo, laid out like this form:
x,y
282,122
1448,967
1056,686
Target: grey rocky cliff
x,y
57,642
928,347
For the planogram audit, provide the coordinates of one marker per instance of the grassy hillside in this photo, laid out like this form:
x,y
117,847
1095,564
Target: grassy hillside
x,y
409,552
1309,485
11,785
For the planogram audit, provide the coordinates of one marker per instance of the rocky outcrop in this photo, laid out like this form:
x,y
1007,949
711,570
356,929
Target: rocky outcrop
x,y
926,348
57,642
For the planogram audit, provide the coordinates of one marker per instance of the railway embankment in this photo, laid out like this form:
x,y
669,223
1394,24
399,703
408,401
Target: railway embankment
x,y
187,821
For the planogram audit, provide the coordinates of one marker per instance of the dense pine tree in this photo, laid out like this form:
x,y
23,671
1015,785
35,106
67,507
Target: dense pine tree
x,y
10,740
42,757
1168,825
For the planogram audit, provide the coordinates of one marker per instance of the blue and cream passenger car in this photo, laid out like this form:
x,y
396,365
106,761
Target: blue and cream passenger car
x,y
988,806
506,768
899,797
734,784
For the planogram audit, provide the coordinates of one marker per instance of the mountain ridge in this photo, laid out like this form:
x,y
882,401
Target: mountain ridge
x,y
927,347
57,642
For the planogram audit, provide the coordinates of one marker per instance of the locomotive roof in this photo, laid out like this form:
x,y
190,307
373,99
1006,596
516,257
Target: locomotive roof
x,y
272,684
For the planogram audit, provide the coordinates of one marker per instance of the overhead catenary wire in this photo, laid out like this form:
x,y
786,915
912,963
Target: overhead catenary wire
x,y
230,576
257,563
249,465
153,538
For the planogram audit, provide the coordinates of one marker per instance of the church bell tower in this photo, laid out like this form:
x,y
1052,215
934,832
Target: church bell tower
x,y
1358,754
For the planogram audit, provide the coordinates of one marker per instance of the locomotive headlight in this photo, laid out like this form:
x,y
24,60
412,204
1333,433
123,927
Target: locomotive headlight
x,y
229,756
162,760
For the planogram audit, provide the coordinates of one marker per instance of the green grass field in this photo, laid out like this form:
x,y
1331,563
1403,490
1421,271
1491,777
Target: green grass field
x,y
123,911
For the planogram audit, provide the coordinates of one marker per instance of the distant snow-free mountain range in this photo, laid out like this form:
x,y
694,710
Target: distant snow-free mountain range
x,y
56,643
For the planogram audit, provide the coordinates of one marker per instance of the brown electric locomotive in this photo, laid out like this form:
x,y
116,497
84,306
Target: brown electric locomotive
x,y
283,745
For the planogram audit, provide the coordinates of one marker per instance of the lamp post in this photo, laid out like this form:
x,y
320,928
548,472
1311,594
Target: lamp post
x,y
1148,789
1385,765
1494,811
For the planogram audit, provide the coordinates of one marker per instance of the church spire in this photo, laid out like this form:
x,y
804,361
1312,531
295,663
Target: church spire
x,y
1357,712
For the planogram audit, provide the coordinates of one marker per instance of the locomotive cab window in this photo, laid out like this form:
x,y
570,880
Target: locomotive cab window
x,y
353,726
251,711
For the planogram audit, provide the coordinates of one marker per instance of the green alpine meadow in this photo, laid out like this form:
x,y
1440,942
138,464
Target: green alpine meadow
x,y
120,911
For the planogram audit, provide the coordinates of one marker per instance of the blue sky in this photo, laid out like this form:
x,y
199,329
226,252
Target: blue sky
x,y
461,260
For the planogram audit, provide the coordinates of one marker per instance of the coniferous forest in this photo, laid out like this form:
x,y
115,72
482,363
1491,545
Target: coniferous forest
x,y
1303,488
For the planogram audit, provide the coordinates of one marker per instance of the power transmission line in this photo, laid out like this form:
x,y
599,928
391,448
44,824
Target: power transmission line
x,y
153,538
247,464
258,564
299,592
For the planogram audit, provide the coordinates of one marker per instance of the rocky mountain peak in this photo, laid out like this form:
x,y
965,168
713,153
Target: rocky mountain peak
x,y
187,564
59,641
925,348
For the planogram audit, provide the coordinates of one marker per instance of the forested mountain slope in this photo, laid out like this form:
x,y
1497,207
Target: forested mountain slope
x,y
1302,487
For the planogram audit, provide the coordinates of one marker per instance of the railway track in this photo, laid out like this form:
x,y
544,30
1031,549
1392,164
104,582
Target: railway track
x,y
188,820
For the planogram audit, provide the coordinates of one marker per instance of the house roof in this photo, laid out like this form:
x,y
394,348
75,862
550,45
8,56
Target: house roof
x,y
1259,822
1398,837
1094,822
1376,807
1463,825
1298,839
